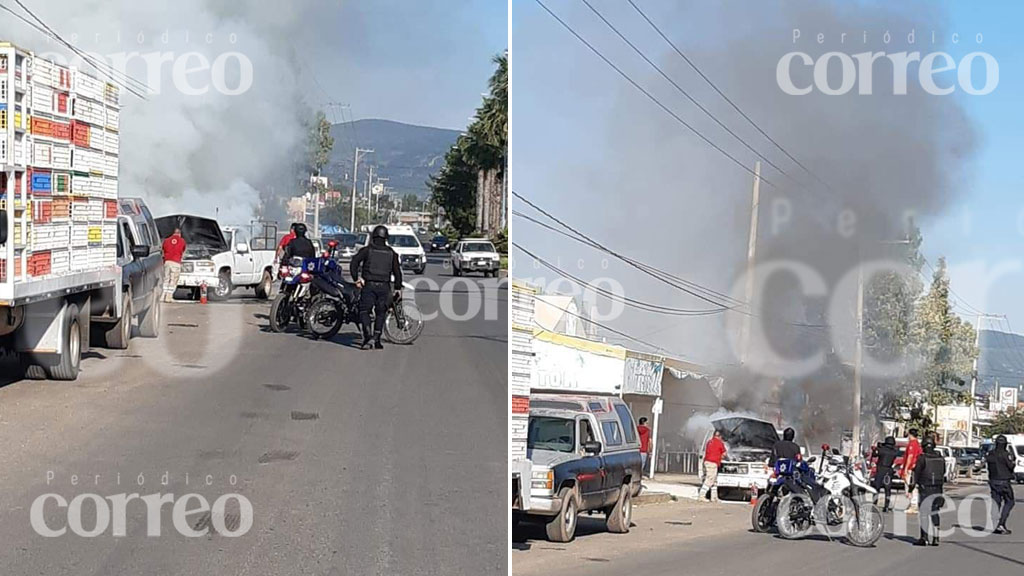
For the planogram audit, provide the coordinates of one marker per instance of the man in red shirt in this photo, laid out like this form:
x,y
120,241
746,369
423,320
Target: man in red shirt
x,y
645,443
174,248
285,240
713,453
912,453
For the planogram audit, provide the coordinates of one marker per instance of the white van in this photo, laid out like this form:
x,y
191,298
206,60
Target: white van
x,y
405,243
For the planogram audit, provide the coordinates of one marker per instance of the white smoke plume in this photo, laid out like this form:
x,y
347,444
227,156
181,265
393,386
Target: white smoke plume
x,y
191,147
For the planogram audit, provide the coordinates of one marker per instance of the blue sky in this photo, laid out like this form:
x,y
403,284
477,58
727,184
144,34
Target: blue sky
x,y
590,148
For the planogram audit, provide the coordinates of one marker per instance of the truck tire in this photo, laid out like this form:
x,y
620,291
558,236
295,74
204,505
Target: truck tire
x,y
119,335
223,288
265,286
68,363
149,321
562,528
620,515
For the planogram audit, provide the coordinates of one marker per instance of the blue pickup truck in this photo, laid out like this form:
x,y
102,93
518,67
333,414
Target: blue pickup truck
x,y
585,455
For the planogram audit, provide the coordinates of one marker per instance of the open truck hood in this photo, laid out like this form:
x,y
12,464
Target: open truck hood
x,y
203,236
749,433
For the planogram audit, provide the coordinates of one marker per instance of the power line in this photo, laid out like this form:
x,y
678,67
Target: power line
x,y
652,98
724,97
689,287
687,94
645,306
106,69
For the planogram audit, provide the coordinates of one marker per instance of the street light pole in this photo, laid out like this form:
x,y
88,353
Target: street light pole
x,y
355,178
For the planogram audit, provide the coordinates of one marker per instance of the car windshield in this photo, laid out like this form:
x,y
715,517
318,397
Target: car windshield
x,y
478,247
403,241
347,240
549,433
440,239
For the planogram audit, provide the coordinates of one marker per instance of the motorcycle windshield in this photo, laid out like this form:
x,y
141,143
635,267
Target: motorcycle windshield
x,y
739,431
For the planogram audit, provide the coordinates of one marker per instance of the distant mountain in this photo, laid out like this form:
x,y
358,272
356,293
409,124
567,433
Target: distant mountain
x,y
1001,360
405,153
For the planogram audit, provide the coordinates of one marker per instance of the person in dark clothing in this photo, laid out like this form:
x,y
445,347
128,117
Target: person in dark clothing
x,y
785,448
929,474
1000,473
885,454
378,272
300,246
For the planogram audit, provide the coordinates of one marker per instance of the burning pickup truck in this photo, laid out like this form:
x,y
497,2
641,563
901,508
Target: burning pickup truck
x,y
749,442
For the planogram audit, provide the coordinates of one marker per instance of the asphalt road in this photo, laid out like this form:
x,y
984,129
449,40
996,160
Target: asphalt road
x,y
710,540
354,462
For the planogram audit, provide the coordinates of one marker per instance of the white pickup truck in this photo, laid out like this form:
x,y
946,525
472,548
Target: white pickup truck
x,y
223,258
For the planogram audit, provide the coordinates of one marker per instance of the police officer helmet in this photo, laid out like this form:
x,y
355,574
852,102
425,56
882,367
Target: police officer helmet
x,y
381,232
299,228
1001,440
928,445
890,441
788,434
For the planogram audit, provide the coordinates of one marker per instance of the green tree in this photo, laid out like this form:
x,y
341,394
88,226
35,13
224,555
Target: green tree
x,y
482,151
319,143
1009,422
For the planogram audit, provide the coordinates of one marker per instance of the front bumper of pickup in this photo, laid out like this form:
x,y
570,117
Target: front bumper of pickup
x,y
196,279
545,505
478,265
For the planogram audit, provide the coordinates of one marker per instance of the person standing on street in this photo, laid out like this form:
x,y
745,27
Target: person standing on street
x,y
713,453
885,454
174,249
929,474
1000,475
645,443
913,452
377,271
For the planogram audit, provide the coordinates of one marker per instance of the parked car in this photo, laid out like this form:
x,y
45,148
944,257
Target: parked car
x,y
141,258
969,461
947,455
585,455
439,243
475,255
347,246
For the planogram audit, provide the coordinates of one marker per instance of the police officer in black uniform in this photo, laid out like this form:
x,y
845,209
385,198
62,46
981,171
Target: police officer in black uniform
x,y
929,474
1000,473
300,246
785,448
885,454
374,268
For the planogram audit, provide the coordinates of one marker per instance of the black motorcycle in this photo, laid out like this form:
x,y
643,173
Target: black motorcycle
x,y
782,481
294,294
337,303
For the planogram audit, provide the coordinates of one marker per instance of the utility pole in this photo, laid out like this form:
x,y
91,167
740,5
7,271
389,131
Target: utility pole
x,y
370,193
355,179
316,206
751,257
383,189
974,377
858,360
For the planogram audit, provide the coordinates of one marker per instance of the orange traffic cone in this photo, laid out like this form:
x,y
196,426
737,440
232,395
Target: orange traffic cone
x,y
202,293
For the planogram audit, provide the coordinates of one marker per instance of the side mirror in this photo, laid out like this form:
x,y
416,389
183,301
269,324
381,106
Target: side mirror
x,y
242,248
835,451
140,251
3,226
812,459
592,447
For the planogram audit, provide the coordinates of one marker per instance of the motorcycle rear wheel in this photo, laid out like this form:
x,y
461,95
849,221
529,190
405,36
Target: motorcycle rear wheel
x,y
323,319
792,517
412,320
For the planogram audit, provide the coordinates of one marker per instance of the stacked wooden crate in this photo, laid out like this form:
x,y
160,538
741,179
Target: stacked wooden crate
x,y
59,132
